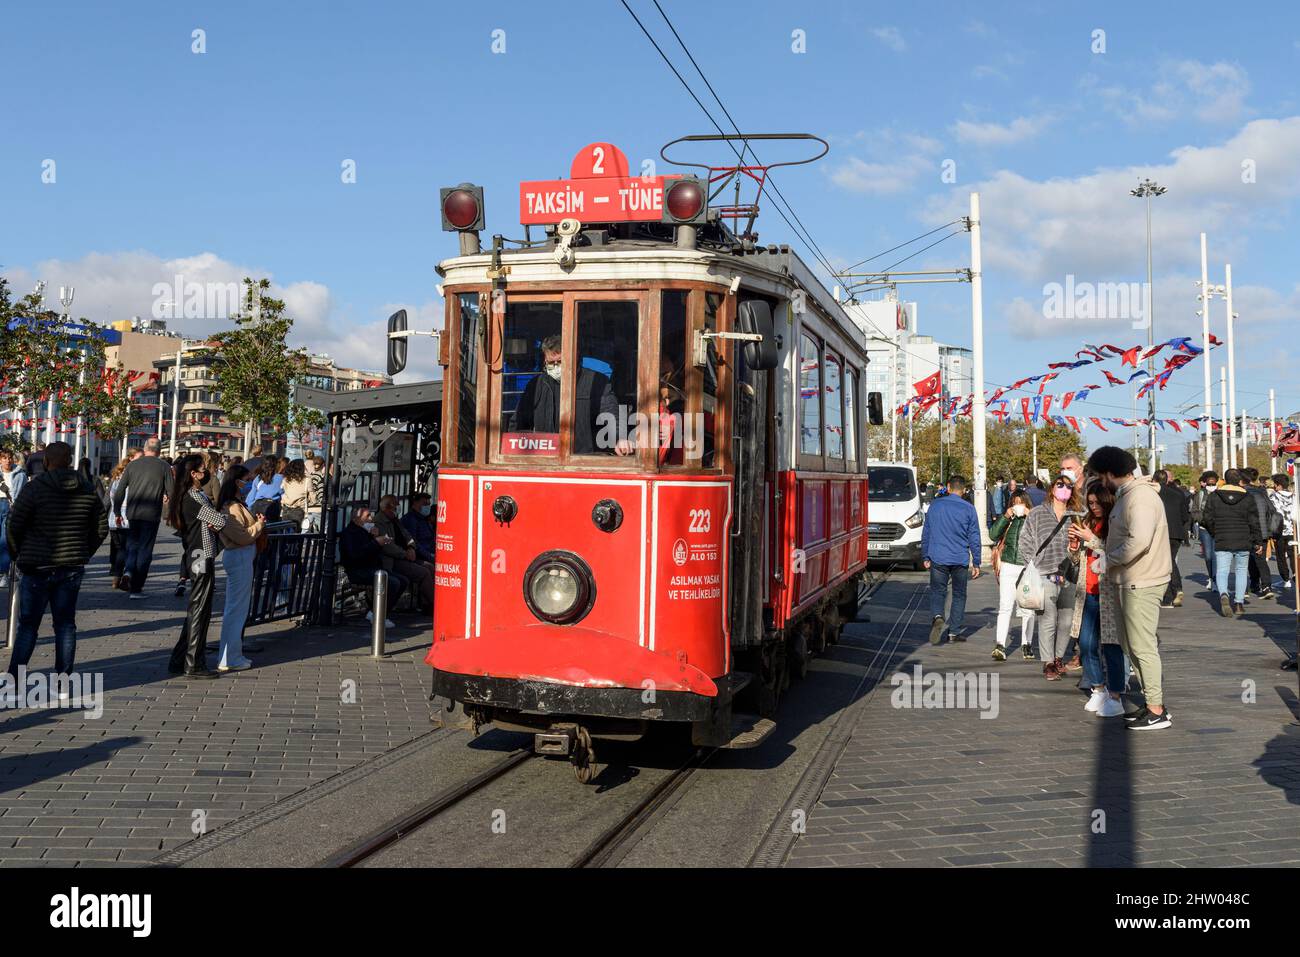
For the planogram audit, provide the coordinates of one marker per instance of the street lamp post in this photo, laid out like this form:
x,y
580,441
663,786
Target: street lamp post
x,y
1204,297
1146,190
1232,371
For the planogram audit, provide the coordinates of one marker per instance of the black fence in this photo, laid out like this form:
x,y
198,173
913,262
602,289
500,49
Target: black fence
x,y
287,576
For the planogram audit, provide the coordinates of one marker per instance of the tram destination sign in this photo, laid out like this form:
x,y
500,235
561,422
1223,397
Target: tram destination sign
x,y
598,190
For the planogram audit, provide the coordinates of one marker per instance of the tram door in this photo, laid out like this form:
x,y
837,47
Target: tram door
x,y
749,444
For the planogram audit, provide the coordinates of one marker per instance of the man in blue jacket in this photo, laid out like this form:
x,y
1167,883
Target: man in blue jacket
x,y
950,547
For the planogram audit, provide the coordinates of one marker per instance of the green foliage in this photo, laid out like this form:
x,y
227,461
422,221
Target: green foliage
x,y
1008,448
256,368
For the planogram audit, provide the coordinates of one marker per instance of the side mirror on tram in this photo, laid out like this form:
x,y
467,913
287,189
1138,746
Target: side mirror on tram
x,y
397,344
876,408
755,316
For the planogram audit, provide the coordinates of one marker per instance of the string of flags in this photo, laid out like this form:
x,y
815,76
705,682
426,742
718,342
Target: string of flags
x,y
1038,407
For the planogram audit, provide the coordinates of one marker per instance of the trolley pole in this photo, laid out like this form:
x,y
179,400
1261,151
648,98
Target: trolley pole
x,y
977,350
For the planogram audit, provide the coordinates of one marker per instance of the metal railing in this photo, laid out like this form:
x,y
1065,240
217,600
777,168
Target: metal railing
x,y
287,575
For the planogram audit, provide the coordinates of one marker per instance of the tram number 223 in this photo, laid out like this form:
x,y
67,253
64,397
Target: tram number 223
x,y
701,521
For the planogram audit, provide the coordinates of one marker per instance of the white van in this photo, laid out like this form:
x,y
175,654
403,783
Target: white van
x,y
894,514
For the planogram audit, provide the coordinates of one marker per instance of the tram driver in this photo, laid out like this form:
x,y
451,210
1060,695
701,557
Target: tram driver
x,y
539,406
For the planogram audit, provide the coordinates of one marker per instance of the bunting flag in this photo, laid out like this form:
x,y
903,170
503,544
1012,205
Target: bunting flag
x,y
1110,378
1047,403
1001,411
1024,408
1177,428
1129,358
1065,400
1046,379
1074,423
1139,374
928,386
1097,423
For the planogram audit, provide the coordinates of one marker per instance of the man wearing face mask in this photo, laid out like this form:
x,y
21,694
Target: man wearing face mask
x,y
1136,557
419,525
539,406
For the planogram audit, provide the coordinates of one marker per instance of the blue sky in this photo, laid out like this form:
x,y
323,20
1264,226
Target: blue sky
x,y
229,161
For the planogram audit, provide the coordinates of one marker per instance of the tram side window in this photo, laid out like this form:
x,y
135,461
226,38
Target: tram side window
x,y
530,379
834,412
605,401
467,387
671,432
850,415
810,388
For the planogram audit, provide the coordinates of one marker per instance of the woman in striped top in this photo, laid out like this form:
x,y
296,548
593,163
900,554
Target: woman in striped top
x,y
197,520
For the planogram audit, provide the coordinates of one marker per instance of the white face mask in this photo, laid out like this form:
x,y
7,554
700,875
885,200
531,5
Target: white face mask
x,y
553,370
1018,510
368,526
1070,472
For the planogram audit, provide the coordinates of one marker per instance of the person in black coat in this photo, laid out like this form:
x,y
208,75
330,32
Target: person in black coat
x,y
55,525
197,521
1261,579
1178,516
539,406
1232,519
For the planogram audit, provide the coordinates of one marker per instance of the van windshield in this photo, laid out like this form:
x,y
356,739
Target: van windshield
x,y
886,484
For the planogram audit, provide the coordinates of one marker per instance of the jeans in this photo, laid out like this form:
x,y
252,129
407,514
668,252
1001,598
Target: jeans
x,y
1090,641
140,538
4,541
1007,575
1112,657
57,588
1235,563
940,576
1207,545
238,563
1175,585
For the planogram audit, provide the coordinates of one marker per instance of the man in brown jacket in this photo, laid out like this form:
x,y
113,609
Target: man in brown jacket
x,y
1136,557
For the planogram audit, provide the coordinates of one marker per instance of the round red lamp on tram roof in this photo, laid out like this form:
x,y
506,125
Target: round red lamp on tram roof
x,y
684,199
461,208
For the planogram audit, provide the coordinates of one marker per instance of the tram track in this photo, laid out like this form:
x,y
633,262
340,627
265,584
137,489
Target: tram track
x,y
401,827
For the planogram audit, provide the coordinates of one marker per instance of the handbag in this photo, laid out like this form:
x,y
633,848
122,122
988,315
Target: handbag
x,y
1031,587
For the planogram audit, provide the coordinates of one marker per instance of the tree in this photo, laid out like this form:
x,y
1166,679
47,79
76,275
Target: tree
x,y
302,421
256,367
1008,449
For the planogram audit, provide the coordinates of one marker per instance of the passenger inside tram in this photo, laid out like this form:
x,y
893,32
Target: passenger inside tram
x,y
539,407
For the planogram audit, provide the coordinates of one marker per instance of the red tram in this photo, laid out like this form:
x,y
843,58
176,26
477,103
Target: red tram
x,y
652,494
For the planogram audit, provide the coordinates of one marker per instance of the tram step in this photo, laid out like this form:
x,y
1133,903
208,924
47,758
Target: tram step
x,y
749,730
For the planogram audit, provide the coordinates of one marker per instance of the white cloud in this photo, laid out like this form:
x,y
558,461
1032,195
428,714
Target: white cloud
x,y
1211,92
116,286
890,37
879,179
997,134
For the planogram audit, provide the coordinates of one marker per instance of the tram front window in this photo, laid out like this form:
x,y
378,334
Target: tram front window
x,y
530,379
534,373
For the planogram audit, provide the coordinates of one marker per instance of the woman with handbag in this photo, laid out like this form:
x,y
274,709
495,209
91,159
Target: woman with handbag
x,y
1044,546
239,536
197,520
295,493
1007,566
1098,622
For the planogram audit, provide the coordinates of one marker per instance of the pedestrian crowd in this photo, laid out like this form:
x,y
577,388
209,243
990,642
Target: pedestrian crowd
x,y
1089,564
54,518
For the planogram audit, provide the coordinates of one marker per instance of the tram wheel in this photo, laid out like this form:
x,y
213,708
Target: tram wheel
x,y
771,675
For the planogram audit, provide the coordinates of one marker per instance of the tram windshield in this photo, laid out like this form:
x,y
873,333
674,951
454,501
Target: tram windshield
x,y
603,382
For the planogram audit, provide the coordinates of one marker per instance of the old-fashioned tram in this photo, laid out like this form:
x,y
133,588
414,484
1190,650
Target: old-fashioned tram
x,y
652,498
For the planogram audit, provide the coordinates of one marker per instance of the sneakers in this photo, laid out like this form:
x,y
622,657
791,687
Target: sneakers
x,y
999,653
1135,714
1095,701
136,596
1178,600
370,617
237,666
956,636
1225,606
1027,652
1239,611
1073,666
1110,708
1151,721
1268,593
936,629
4,581
180,589
124,583
1053,670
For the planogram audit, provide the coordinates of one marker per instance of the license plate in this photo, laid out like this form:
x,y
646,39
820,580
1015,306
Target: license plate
x,y
877,546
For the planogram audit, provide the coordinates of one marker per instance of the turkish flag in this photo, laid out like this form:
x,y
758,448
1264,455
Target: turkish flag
x,y
1130,357
1097,423
927,386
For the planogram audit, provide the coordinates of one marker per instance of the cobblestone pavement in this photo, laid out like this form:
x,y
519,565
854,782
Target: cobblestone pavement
x,y
166,753
1046,784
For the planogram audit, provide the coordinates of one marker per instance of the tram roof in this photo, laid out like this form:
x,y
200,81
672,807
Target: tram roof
x,y
410,401
772,269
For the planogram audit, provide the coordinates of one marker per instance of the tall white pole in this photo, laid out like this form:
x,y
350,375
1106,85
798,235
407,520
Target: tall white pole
x,y
893,397
1272,433
977,334
1232,373
1245,445
1035,444
1223,416
1151,362
1205,355
176,395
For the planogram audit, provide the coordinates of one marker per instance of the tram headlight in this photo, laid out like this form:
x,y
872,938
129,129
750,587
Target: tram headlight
x,y
558,588
462,207
686,200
